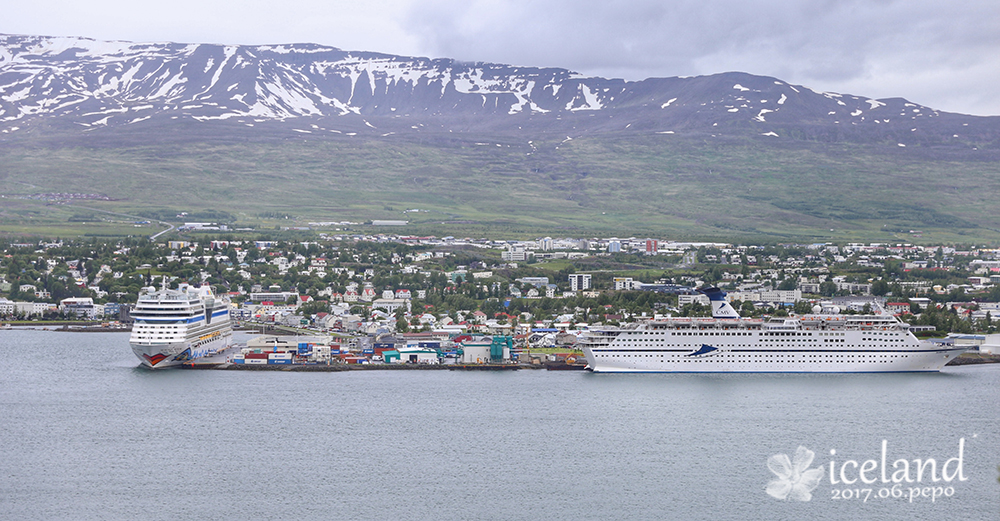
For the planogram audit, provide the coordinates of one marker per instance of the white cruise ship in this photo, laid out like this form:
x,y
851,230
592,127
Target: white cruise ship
x,y
726,343
173,326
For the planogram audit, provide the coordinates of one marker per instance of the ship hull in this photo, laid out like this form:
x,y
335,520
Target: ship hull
x,y
769,361
163,355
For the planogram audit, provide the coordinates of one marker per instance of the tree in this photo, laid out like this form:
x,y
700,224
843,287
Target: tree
x,y
401,325
311,308
803,307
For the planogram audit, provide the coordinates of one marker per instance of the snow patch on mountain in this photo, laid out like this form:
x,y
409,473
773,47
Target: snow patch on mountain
x,y
121,83
760,115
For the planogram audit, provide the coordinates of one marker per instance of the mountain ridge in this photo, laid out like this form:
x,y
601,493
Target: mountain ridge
x,y
89,84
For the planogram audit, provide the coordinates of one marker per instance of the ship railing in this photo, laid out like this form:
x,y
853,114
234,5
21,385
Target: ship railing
x,y
707,323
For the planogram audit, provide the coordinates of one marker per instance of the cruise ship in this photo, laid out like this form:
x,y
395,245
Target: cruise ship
x,y
727,343
174,326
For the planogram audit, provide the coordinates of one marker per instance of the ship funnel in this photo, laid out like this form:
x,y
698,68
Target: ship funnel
x,y
720,306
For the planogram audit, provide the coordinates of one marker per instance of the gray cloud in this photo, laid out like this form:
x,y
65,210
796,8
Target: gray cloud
x,y
949,50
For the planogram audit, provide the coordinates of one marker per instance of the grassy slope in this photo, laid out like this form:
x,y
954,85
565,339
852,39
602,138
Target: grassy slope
x,y
633,185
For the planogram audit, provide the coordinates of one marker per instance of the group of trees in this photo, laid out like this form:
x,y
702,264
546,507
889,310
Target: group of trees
x,y
948,319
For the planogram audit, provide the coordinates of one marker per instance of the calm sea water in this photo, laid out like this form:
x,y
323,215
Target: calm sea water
x,y
86,434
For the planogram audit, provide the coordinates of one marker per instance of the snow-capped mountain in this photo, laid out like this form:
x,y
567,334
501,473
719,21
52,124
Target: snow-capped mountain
x,y
86,84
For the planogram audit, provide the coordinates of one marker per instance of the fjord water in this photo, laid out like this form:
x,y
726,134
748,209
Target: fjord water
x,y
86,434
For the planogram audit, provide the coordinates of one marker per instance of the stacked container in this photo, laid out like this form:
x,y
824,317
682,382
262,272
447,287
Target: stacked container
x,y
279,358
255,358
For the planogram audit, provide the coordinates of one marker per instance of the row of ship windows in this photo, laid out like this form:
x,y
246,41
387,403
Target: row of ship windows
x,y
634,336
698,332
167,313
691,346
779,358
145,327
773,340
634,339
814,340
160,332
737,346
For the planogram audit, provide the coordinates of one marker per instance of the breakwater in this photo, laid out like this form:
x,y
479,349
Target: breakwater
x,y
975,358
333,368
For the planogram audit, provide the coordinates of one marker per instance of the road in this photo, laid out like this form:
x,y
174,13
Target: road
x,y
169,226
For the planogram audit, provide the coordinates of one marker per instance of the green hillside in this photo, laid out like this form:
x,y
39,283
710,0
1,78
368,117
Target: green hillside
x,y
609,184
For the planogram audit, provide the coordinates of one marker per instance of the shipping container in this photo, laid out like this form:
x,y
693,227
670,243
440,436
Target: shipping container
x,y
250,356
256,361
280,361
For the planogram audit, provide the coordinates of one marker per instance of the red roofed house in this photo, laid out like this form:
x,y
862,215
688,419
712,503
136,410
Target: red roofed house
x,y
895,308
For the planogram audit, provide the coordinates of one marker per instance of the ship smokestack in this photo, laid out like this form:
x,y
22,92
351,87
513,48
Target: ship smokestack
x,y
720,306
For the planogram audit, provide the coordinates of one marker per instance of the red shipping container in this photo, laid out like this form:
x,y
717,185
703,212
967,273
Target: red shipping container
x,y
255,355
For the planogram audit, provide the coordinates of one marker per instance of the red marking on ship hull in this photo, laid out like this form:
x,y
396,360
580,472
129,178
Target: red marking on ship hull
x,y
155,359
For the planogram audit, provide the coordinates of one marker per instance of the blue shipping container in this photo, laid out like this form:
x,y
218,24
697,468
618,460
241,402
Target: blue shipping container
x,y
369,351
279,361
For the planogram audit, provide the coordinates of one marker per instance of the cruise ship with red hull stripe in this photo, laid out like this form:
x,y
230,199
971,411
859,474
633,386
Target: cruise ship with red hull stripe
x,y
175,326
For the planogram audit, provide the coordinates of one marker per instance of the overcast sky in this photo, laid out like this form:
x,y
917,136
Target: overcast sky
x,y
943,54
